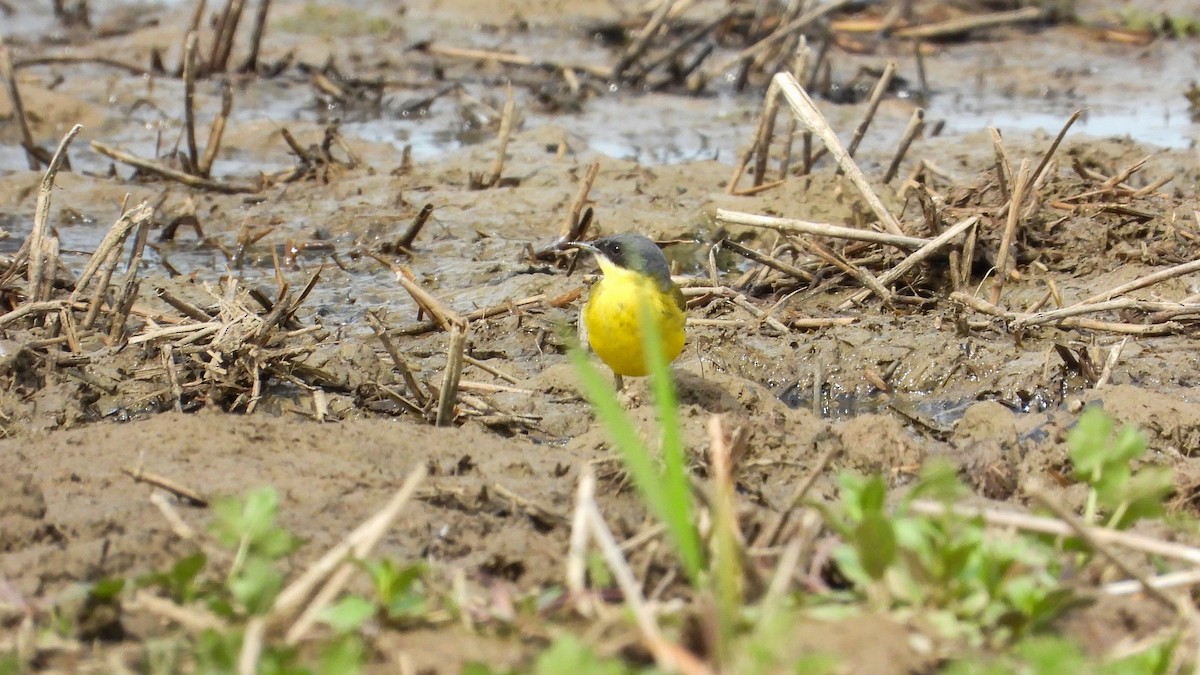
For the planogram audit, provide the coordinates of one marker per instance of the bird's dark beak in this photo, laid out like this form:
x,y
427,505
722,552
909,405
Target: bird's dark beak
x,y
582,245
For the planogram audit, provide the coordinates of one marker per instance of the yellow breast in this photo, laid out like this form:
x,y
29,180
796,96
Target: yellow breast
x,y
611,317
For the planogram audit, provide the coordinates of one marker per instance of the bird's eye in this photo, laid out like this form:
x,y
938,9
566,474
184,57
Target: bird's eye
x,y
616,248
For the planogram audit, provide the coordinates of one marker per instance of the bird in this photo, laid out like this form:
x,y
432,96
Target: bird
x,y
635,272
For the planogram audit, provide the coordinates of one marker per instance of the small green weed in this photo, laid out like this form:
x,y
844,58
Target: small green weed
x,y
1104,460
971,584
1054,655
249,528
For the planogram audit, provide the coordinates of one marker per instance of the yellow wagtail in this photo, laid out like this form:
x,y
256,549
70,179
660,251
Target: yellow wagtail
x,y
635,272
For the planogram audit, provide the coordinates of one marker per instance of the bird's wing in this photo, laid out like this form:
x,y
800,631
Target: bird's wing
x,y
680,301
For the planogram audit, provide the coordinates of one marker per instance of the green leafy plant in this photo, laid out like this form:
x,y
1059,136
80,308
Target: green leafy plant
x,y
974,586
1103,458
568,655
1159,23
1049,655
183,583
249,525
399,591
249,528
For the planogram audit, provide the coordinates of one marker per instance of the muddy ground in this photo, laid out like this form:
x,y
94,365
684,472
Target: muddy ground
x,y
330,423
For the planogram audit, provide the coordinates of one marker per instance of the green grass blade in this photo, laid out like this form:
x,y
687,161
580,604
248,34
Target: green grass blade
x,y
608,409
675,479
634,454
666,493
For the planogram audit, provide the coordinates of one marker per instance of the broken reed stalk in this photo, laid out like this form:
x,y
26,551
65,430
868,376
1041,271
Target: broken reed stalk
x,y
916,124
785,162
1110,364
570,230
173,174
504,58
445,317
66,319
256,35
193,619
189,101
1020,187
101,287
482,182
1038,174
113,239
783,32
1062,133
861,274
1068,316
32,152
877,94
967,257
800,59
1003,165
1019,321
760,149
252,646
272,318
669,657
398,361
226,31
958,26
448,398
31,309
162,482
41,273
50,249
770,534
687,41
642,41
287,320
740,168
762,144
407,239
1055,527
336,566
485,313
1142,282
129,286
804,227
68,59
761,316
576,568
1189,577
763,259
1121,176
1082,531
168,359
204,170
943,239
490,369
506,128
728,540
807,112
197,17
449,320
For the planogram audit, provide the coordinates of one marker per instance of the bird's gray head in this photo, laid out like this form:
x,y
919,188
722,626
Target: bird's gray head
x,y
633,251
